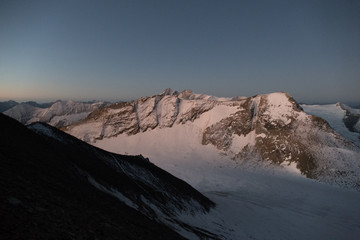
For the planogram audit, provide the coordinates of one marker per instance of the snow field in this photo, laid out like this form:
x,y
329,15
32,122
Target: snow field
x,y
334,115
254,204
254,201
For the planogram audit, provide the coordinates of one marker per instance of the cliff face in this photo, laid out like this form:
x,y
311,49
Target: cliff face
x,y
274,128
270,129
144,114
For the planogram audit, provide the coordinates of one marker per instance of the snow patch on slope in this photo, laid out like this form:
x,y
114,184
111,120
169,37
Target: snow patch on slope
x,y
239,142
59,114
257,132
90,131
259,204
350,109
290,166
275,207
177,150
110,191
65,120
334,115
42,129
280,108
216,114
190,95
280,206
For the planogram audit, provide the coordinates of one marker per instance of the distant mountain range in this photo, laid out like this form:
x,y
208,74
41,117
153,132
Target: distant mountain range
x,y
261,130
259,159
269,129
10,104
7,105
58,114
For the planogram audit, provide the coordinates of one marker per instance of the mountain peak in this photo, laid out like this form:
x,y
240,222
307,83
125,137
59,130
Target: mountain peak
x,y
59,113
186,93
168,91
272,127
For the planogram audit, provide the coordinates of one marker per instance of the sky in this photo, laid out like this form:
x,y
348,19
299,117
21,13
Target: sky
x,y
122,50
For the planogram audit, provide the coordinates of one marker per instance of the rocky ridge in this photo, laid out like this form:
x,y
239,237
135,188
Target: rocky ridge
x,y
56,186
58,114
270,129
160,111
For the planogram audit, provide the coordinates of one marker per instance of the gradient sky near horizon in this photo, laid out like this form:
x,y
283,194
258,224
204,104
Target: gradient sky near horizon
x,y
122,50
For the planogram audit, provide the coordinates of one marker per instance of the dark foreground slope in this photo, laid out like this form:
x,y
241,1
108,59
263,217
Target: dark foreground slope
x,y
55,186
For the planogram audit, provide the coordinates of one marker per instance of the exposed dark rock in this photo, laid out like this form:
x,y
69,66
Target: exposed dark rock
x,y
270,129
55,186
283,140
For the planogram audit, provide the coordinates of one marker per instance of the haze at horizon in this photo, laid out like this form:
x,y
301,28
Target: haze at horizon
x,y
85,50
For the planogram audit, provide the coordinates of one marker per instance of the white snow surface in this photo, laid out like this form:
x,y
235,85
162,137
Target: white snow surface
x,y
44,130
239,142
190,95
280,108
334,115
60,113
348,108
251,204
262,206
68,119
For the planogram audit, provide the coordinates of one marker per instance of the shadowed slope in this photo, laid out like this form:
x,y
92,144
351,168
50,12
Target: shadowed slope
x,y
53,185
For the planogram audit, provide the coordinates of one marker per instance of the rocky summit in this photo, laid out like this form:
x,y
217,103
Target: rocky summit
x,y
58,114
263,130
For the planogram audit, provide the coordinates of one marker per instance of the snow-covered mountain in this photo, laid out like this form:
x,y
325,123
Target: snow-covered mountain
x,y
183,132
344,119
7,105
53,184
10,104
58,114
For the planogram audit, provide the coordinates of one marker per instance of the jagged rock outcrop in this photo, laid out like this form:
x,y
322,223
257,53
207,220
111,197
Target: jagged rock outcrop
x,y
276,129
163,110
270,128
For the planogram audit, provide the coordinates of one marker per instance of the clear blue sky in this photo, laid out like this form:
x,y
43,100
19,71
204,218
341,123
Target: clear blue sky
x,y
116,50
